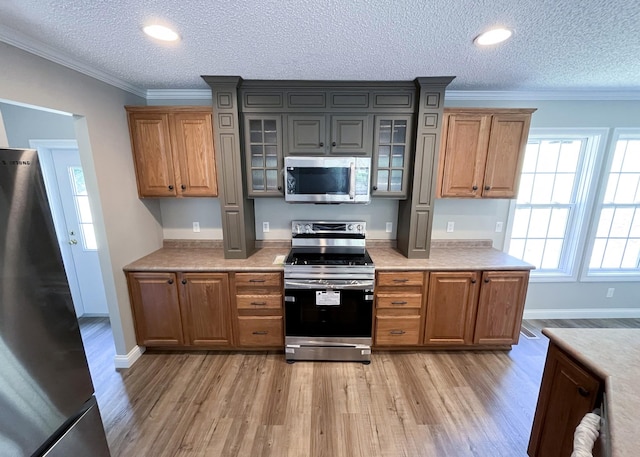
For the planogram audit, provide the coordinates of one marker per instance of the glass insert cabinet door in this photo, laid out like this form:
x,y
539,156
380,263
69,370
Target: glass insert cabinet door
x,y
391,156
263,147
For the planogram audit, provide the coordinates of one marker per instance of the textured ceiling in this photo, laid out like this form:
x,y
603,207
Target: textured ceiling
x,y
557,45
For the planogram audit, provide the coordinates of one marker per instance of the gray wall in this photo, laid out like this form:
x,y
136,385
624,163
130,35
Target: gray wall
x,y
126,227
23,124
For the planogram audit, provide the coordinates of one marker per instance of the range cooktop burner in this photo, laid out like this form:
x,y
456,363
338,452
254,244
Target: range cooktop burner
x,y
306,258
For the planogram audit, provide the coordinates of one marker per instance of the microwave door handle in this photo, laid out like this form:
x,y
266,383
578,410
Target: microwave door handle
x,y
352,183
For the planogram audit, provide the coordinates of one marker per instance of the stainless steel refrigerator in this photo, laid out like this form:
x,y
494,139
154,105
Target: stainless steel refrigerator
x,y
47,406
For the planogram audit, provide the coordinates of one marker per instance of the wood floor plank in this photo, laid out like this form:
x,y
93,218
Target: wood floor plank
x,y
231,404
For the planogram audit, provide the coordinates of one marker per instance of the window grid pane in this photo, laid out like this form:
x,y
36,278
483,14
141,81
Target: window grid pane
x,y
547,200
82,208
617,242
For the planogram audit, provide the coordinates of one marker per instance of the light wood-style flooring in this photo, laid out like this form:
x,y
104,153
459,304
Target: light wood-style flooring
x,y
410,404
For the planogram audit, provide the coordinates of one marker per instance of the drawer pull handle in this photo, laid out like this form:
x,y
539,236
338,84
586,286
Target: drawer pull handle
x,y
398,302
400,280
397,332
259,303
256,280
583,392
263,332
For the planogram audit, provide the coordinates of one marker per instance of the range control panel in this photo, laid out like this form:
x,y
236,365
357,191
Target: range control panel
x,y
325,228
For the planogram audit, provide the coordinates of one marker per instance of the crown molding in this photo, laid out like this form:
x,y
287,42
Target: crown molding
x,y
543,95
40,49
178,94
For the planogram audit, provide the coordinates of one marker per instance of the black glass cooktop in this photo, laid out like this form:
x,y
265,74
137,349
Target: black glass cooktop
x,y
306,258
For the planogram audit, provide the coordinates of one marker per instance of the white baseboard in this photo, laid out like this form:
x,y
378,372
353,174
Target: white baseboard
x,y
584,313
127,361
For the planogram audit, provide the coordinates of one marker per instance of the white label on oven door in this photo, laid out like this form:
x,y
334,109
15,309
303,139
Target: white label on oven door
x,y
327,298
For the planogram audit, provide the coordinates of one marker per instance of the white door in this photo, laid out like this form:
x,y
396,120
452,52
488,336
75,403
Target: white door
x,y
87,289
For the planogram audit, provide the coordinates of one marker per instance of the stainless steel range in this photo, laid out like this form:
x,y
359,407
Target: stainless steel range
x,y
328,281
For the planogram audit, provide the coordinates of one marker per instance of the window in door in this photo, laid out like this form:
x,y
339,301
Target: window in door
x,y
83,209
616,244
551,206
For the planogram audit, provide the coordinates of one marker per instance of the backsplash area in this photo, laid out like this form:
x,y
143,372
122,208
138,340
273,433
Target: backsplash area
x,y
473,219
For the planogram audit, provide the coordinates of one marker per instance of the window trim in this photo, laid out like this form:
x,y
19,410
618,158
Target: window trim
x,y
605,170
589,170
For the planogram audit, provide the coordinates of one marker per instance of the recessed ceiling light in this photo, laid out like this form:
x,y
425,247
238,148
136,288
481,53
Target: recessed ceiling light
x,y
161,32
493,36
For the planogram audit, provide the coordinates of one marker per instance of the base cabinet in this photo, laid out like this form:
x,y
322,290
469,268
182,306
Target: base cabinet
x,y
180,309
258,313
568,391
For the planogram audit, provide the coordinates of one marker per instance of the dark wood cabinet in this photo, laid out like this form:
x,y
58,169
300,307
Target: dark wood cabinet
x,y
568,391
347,134
173,151
205,309
264,156
451,308
156,309
172,309
482,152
500,307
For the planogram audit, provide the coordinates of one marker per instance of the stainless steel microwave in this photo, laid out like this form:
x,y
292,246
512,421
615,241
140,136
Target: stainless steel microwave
x,y
327,179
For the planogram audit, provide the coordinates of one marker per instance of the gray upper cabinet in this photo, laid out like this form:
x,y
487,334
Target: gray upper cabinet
x,y
263,149
347,134
391,156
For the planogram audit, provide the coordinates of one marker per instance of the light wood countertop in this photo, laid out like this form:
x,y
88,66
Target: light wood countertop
x,y
613,355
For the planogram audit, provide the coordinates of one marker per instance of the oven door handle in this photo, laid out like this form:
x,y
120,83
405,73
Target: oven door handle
x,y
326,284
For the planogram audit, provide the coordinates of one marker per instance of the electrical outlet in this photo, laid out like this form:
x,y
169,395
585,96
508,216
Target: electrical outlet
x,y
450,225
196,227
389,227
498,226
265,227
610,291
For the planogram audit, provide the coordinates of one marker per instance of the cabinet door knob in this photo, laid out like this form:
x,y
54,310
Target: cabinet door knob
x,y
279,187
375,187
321,144
473,281
333,144
474,188
183,187
170,281
487,187
583,392
184,281
487,280
170,187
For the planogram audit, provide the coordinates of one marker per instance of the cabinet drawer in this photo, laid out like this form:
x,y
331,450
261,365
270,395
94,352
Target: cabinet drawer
x,y
397,331
259,301
260,331
400,278
398,301
258,280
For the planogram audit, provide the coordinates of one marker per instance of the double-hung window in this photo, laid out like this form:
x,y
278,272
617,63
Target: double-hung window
x,y
616,243
552,202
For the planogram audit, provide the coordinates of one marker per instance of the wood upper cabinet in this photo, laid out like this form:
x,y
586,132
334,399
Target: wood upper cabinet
x,y
205,308
180,309
500,307
482,152
568,391
173,151
156,309
451,307
347,134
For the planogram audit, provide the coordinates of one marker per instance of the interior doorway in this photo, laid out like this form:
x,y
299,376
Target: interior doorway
x,y
72,217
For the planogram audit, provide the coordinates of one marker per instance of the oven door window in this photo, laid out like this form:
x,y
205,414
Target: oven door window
x,y
318,181
351,318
